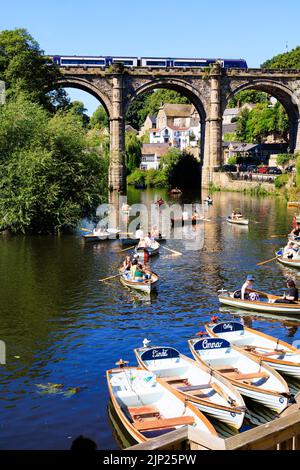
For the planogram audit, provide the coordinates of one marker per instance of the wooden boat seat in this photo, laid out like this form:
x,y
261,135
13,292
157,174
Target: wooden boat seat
x,y
174,378
191,388
138,412
253,375
163,423
226,370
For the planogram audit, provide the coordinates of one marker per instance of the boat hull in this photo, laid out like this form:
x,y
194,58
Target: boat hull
x,y
289,262
237,221
150,251
146,286
258,306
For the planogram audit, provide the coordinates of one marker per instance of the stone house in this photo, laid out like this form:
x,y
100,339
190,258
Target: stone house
x,y
151,155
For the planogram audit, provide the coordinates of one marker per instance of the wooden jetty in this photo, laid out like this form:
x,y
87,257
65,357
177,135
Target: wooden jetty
x,y
283,433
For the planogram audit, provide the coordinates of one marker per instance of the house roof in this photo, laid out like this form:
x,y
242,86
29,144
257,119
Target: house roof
x,y
158,149
152,118
129,128
177,110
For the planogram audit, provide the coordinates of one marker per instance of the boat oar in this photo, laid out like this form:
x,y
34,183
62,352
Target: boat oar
x,y
267,261
86,229
172,251
125,249
277,236
110,277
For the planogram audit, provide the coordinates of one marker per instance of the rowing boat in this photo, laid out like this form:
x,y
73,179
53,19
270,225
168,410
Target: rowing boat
x,y
145,285
293,204
149,250
135,241
148,407
266,303
291,262
276,353
249,375
211,393
238,221
100,235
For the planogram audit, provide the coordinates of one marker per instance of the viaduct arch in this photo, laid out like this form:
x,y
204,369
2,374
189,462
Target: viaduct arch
x,y
209,90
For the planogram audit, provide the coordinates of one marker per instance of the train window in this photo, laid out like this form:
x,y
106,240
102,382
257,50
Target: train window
x,y
159,63
125,62
190,64
82,62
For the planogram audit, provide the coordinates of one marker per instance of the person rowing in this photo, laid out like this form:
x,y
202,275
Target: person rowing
x,y
246,292
295,233
289,250
292,294
126,264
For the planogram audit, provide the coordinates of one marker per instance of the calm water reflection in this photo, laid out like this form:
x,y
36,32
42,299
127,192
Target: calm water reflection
x,y
61,326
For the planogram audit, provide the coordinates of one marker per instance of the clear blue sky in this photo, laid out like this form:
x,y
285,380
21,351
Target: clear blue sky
x,y
255,30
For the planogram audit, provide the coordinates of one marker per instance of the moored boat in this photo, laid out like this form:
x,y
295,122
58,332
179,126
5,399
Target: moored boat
x,y
145,285
266,303
248,374
237,221
175,191
293,203
148,407
276,353
207,390
98,235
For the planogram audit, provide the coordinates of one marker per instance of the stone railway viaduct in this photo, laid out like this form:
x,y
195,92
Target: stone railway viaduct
x,y
209,90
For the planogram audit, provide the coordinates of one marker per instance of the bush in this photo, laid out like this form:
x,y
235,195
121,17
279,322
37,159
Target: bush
x,y
283,158
231,161
281,180
136,177
156,179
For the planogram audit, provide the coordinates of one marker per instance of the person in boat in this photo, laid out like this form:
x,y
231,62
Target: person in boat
x,y
246,291
289,250
233,215
295,233
139,232
139,273
160,202
195,216
133,268
292,294
127,264
208,199
154,233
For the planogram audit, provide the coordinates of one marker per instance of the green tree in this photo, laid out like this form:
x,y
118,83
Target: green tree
x,y
25,69
133,151
180,169
262,120
48,179
287,60
77,107
99,118
248,96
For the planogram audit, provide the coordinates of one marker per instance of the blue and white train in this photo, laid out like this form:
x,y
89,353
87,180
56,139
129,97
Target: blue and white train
x,y
93,61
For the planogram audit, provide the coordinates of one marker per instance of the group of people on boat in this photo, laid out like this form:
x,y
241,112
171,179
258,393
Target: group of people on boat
x,y
236,214
248,293
134,270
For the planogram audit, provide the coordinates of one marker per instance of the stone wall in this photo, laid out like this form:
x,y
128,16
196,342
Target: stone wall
x,y
224,181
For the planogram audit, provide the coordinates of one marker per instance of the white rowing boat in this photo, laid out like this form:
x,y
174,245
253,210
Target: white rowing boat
x,y
238,220
276,353
150,251
209,392
143,285
266,303
249,375
291,262
148,407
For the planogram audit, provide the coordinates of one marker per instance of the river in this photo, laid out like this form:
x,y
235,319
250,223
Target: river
x,y
63,328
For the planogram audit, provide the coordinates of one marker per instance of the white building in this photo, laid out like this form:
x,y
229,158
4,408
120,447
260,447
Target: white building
x,y
151,155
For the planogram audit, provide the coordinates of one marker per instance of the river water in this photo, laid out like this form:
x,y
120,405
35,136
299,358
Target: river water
x,y
63,328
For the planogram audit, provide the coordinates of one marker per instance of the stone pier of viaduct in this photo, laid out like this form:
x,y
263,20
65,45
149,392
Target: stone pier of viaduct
x,y
208,89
